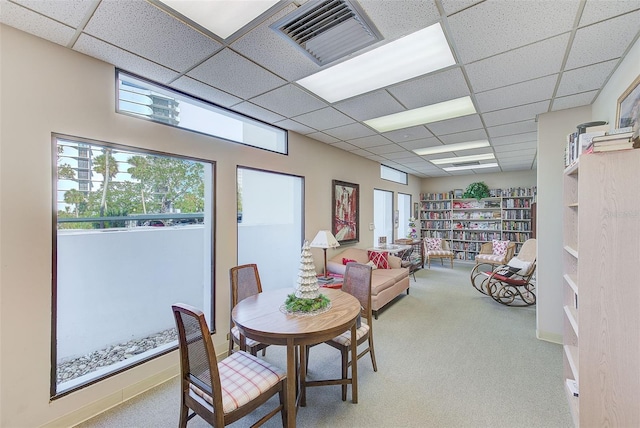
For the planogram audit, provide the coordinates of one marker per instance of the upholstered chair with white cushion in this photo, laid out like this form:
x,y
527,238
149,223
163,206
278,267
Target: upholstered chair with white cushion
x,y
494,253
437,248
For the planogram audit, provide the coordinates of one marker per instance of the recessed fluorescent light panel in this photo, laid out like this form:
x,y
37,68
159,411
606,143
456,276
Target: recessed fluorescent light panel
x,y
416,54
460,168
452,147
421,115
221,17
460,159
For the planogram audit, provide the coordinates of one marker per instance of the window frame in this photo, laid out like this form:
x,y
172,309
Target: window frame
x,y
53,393
404,174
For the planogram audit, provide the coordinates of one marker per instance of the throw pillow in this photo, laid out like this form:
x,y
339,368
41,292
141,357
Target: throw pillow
x,y
520,266
345,261
433,244
380,258
372,264
500,247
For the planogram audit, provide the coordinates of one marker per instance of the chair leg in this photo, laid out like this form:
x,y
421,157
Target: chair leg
x,y
283,403
184,410
345,364
451,258
373,354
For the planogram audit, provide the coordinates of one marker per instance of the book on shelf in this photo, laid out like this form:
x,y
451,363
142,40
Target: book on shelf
x,y
613,142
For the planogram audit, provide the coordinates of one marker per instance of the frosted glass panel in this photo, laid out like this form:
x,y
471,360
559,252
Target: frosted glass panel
x,y
382,215
270,208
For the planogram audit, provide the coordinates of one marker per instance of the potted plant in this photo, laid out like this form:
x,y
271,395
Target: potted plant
x,y
477,190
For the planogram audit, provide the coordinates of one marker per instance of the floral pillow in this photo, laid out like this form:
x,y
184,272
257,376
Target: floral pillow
x,y
380,258
500,247
433,244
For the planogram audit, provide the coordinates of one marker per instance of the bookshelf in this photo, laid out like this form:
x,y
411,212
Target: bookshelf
x,y
468,223
601,238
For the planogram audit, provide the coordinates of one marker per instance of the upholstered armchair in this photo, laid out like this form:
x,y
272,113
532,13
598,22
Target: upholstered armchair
x,y
437,248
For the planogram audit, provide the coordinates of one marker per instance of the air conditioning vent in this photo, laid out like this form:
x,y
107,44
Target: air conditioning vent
x,y
328,30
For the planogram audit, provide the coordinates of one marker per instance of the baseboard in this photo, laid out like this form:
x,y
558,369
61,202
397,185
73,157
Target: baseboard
x,y
549,337
112,400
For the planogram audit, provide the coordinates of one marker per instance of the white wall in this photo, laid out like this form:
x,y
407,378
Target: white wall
x,y
47,88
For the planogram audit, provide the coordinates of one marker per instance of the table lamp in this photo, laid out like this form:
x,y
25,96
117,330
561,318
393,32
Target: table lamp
x,y
324,239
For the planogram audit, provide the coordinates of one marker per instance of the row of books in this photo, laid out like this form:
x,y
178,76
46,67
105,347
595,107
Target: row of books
x,y
599,139
610,142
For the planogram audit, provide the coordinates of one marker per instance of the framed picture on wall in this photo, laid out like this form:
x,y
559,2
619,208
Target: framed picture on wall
x,y
629,106
345,208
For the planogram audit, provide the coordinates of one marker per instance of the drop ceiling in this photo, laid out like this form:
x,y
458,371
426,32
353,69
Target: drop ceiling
x,y
515,59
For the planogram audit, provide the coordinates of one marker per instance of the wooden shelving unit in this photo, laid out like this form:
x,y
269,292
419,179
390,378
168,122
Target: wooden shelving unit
x,y
468,223
601,294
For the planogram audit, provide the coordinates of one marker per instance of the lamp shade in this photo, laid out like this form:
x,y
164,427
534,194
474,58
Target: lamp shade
x,y
324,239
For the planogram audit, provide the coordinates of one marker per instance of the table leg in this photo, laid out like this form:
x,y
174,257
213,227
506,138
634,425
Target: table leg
x,y
354,365
303,375
291,384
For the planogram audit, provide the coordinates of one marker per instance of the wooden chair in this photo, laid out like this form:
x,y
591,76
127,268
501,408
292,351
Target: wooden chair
x,y
226,391
511,284
245,282
442,252
486,257
357,282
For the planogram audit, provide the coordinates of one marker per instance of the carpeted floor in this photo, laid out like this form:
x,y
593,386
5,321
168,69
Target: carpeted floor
x,y
447,356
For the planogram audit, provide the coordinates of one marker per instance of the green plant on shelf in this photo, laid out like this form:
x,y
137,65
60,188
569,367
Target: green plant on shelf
x,y
477,190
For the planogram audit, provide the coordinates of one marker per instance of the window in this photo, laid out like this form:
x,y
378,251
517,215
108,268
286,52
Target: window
x,y
404,213
270,225
131,240
140,98
382,215
391,174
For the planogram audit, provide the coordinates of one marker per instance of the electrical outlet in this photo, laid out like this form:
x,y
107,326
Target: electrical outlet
x,y
371,226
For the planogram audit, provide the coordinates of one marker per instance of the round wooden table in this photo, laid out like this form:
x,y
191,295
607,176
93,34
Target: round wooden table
x,y
260,318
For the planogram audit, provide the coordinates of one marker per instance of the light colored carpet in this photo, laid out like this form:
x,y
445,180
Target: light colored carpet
x,y
447,356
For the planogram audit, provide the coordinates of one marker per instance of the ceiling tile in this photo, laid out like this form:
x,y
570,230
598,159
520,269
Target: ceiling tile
x,y
324,119
361,152
382,150
508,156
33,23
320,136
525,63
603,41
372,141
516,138
518,94
571,101
120,58
344,146
292,125
408,134
69,12
257,112
595,11
369,106
431,89
200,90
403,155
515,114
266,47
513,128
351,131
400,17
458,124
289,101
233,73
461,137
165,40
520,167
452,6
506,27
532,145
585,78
420,144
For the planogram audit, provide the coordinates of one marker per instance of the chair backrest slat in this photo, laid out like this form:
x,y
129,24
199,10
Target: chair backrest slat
x,y
357,282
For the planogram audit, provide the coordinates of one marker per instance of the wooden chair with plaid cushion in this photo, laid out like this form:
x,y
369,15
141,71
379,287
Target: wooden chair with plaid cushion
x,y
492,253
245,282
437,248
357,282
226,391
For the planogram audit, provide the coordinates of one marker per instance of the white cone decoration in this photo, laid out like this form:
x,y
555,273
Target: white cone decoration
x,y
307,287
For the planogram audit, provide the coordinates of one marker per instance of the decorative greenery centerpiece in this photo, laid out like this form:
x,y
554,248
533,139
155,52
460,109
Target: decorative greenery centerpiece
x,y
412,232
477,190
307,300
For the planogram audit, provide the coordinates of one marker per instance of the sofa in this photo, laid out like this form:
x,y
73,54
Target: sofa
x,y
386,284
